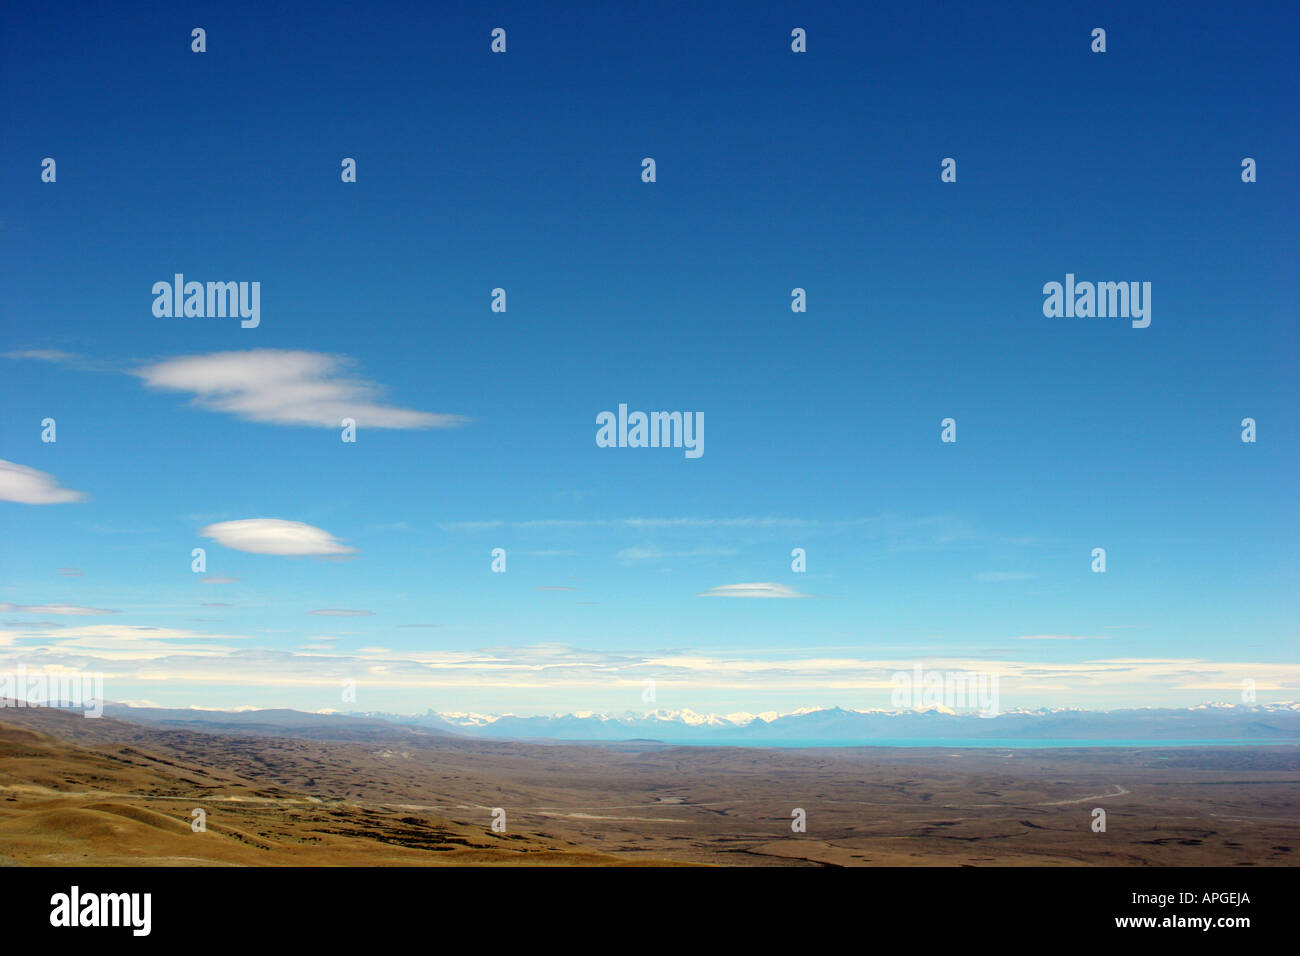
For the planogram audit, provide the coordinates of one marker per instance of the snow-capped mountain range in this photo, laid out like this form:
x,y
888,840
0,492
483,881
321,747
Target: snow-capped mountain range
x,y
836,725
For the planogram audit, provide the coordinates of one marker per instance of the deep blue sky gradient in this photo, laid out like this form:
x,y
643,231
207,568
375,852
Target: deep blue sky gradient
x,y
775,170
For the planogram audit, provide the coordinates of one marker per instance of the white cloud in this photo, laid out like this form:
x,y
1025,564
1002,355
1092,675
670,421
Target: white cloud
x,y
53,609
896,532
766,590
638,523
1061,637
654,554
164,657
104,643
285,387
341,612
274,536
31,487
41,355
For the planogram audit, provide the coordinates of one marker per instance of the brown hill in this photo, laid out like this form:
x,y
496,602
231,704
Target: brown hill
x,y
107,791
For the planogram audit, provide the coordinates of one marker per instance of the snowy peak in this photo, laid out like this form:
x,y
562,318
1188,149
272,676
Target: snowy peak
x,y
1213,721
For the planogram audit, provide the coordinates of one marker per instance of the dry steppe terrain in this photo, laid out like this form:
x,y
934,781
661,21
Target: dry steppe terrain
x,y
75,791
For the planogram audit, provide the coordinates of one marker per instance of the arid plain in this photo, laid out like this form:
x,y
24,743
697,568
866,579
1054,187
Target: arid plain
x,y
104,791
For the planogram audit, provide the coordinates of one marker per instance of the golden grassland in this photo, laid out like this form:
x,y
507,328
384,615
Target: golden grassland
x,y
107,792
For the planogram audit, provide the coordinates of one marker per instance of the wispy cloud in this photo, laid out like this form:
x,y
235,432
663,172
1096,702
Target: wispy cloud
x,y
31,487
758,590
102,644
549,523
81,363
632,555
169,656
54,609
41,355
275,536
896,531
1062,637
284,387
341,612
993,576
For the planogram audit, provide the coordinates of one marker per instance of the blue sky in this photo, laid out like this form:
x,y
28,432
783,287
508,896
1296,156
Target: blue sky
x,y
775,170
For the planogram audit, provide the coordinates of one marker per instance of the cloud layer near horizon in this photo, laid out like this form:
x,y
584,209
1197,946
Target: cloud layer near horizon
x,y
166,655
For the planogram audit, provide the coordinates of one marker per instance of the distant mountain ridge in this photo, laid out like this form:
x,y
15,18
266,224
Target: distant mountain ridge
x,y
832,725
829,726
279,722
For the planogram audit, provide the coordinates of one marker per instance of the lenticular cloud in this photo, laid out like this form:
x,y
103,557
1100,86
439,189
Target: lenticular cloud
x,y
285,387
755,590
31,487
275,536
